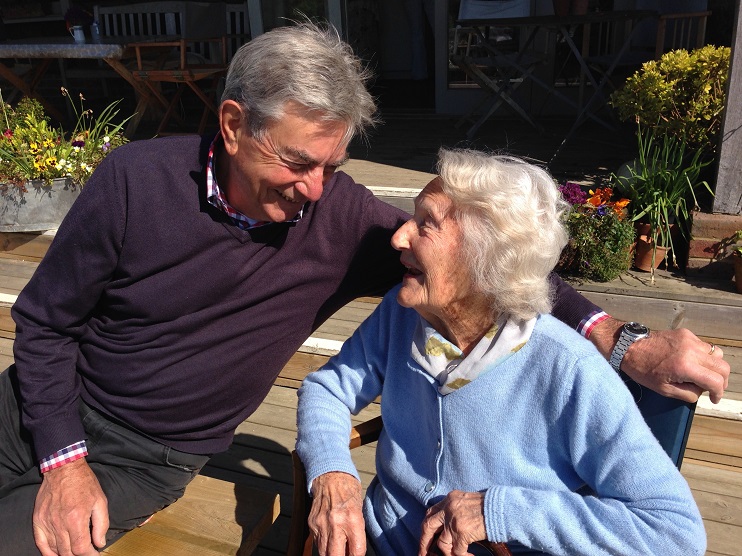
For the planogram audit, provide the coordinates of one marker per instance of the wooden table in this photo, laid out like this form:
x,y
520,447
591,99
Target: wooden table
x,y
43,51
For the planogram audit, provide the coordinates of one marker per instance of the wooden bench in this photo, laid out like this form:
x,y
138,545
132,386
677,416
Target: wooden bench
x,y
213,518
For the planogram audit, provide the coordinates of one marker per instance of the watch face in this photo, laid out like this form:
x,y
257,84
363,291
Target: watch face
x,y
636,328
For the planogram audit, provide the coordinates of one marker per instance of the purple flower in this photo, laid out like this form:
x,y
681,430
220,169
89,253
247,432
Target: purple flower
x,y
78,143
572,193
603,210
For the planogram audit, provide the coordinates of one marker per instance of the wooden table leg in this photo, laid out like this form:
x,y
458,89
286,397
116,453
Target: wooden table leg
x,y
148,97
28,88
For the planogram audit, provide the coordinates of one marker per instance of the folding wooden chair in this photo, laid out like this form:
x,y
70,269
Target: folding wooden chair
x,y
178,42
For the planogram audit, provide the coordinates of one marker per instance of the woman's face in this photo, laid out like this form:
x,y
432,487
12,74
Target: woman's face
x,y
437,283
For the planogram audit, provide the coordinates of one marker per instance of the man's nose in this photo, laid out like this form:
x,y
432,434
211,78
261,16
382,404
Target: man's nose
x,y
313,184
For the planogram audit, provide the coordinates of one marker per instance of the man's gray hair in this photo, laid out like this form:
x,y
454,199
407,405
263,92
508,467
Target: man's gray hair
x,y
306,64
511,216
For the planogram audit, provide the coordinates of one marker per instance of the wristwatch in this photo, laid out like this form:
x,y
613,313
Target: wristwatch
x,y
630,333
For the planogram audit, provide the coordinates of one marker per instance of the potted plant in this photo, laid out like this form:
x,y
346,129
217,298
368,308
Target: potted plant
x,y
600,234
42,168
662,185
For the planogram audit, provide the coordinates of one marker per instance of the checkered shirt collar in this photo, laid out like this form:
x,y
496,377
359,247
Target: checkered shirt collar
x,y
215,196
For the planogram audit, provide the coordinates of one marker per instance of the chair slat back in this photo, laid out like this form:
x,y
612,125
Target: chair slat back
x,y
668,419
681,30
238,27
149,19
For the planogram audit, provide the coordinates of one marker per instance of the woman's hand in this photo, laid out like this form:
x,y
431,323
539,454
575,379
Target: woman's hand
x,y
336,519
457,520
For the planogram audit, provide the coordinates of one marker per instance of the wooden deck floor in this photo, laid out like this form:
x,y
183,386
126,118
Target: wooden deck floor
x,y
260,454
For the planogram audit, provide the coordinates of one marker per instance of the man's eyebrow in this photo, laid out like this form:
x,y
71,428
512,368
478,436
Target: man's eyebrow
x,y
307,159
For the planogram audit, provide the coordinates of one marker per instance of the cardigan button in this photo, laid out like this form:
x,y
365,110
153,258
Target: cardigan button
x,y
430,486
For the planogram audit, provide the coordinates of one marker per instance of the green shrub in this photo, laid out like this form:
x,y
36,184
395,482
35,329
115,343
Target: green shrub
x,y
681,95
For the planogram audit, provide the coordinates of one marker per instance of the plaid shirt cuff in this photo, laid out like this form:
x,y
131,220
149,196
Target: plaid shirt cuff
x,y
588,324
65,455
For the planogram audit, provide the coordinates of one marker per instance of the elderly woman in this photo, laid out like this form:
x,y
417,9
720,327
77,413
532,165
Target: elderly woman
x,y
500,422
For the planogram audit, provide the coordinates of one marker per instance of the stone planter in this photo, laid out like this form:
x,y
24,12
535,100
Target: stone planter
x,y
40,207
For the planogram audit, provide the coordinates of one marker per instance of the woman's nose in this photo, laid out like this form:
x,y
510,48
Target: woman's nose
x,y
400,239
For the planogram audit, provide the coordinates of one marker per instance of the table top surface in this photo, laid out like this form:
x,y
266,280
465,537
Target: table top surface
x,y
65,47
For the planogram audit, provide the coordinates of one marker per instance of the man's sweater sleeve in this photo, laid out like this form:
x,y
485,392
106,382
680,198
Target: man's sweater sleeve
x,y
570,307
52,310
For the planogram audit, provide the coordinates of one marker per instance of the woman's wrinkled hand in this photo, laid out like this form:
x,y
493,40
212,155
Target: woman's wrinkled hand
x,y
453,524
336,519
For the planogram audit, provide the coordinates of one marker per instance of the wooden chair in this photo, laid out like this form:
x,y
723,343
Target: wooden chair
x,y
669,420
685,30
178,42
674,31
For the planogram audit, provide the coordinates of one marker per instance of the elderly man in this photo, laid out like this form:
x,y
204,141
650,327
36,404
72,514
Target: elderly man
x,y
184,278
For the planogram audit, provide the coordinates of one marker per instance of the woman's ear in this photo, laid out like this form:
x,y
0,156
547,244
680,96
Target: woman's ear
x,y
232,123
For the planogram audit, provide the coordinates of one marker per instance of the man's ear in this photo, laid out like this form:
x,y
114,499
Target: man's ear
x,y
233,123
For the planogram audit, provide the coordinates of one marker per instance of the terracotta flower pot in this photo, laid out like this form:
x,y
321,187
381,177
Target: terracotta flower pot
x,y
643,254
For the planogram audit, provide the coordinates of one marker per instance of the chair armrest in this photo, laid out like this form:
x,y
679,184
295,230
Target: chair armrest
x,y
366,432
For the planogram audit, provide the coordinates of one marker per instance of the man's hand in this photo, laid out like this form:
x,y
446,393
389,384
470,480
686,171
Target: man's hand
x,y
457,521
336,518
70,501
674,363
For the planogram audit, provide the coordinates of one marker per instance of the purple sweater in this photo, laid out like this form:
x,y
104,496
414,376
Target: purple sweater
x,y
159,312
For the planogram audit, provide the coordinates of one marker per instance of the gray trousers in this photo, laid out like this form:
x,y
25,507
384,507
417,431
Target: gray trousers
x,y
138,475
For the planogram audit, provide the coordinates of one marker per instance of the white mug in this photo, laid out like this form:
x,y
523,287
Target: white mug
x,y
77,33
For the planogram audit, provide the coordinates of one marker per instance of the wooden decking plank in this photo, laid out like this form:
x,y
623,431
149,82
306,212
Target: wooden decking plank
x,y
12,284
706,474
338,330
301,364
26,246
720,436
7,326
6,353
719,507
713,319
211,519
712,457
14,267
723,539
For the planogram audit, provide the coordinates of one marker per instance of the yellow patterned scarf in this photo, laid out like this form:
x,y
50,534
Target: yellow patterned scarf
x,y
445,362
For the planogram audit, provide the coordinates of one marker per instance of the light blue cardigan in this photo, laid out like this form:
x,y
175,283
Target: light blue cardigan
x,y
552,418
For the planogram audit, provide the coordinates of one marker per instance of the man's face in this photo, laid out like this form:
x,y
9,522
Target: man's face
x,y
273,178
